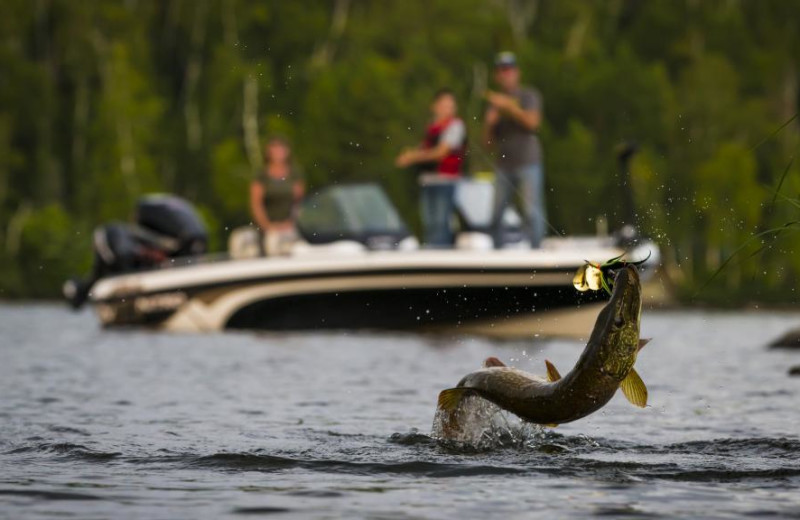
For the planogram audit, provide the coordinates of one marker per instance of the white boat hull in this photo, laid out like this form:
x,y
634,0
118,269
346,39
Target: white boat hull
x,y
376,290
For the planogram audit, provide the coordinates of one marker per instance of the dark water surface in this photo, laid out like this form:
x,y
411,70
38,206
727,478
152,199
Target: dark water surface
x,y
127,424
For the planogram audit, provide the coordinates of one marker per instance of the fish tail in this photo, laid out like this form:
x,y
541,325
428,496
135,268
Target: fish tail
x,y
449,399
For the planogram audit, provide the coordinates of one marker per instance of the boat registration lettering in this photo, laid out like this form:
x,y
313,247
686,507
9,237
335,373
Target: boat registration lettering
x,y
159,302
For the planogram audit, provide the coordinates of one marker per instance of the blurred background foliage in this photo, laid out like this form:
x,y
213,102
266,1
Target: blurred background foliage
x,y
103,101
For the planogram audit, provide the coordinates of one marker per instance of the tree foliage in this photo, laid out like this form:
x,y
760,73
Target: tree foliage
x,y
103,101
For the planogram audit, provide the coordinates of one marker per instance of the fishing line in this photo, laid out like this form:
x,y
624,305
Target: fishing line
x,y
775,231
776,131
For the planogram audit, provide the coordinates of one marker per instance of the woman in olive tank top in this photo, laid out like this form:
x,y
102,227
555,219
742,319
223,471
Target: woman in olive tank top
x,y
275,192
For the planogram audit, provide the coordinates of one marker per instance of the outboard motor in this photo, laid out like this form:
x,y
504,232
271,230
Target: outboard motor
x,y
173,218
166,227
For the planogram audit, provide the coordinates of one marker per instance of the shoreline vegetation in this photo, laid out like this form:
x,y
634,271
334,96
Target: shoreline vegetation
x,y
101,102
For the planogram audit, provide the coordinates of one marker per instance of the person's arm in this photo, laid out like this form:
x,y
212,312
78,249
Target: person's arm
x,y
257,205
451,139
528,117
298,192
420,155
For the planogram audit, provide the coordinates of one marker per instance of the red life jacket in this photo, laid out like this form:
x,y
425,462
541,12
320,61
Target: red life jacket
x,y
450,163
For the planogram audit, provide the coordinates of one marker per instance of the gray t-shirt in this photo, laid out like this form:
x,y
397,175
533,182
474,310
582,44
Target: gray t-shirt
x,y
515,145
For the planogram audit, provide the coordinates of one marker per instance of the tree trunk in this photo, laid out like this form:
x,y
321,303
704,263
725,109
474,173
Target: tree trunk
x,y
250,124
323,54
194,69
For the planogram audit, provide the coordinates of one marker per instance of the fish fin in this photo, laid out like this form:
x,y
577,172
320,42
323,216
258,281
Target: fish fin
x,y
633,388
643,342
492,362
552,372
450,398
551,425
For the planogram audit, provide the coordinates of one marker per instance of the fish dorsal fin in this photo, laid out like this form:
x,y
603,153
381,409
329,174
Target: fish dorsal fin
x,y
633,388
492,362
552,372
643,342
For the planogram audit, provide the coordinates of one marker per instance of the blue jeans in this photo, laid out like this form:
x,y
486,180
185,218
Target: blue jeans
x,y
528,180
437,206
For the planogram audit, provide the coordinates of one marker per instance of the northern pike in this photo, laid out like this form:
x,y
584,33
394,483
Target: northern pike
x,y
605,366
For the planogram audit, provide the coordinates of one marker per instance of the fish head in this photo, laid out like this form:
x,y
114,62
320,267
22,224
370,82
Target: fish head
x,y
616,332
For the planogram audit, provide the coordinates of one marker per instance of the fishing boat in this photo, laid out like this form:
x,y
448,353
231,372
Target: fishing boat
x,y
358,266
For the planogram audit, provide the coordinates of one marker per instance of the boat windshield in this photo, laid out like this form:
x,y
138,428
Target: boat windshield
x,y
356,212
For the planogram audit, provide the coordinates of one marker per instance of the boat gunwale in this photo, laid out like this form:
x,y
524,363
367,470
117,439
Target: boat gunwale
x,y
228,272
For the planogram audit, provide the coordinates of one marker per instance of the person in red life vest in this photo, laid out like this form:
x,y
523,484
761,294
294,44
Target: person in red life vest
x,y
440,160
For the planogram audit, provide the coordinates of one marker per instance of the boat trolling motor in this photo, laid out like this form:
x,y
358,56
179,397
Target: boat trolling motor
x,y
165,227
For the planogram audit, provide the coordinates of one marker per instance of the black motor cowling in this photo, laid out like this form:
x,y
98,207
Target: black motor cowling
x,y
175,218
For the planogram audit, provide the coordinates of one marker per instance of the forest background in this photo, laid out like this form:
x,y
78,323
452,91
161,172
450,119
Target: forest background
x,y
103,101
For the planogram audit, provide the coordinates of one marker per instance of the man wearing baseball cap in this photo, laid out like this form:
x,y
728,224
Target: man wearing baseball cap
x,y
511,124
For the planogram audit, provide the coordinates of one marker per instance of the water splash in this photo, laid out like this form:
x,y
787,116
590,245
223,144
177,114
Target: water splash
x,y
481,425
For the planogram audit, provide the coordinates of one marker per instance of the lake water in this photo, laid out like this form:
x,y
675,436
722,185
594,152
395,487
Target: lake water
x,y
132,424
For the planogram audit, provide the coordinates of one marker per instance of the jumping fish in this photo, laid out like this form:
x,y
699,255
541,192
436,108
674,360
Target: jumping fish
x,y
605,366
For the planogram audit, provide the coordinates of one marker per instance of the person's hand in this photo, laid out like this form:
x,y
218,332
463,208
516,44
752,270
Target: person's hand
x,y
492,116
404,159
500,101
